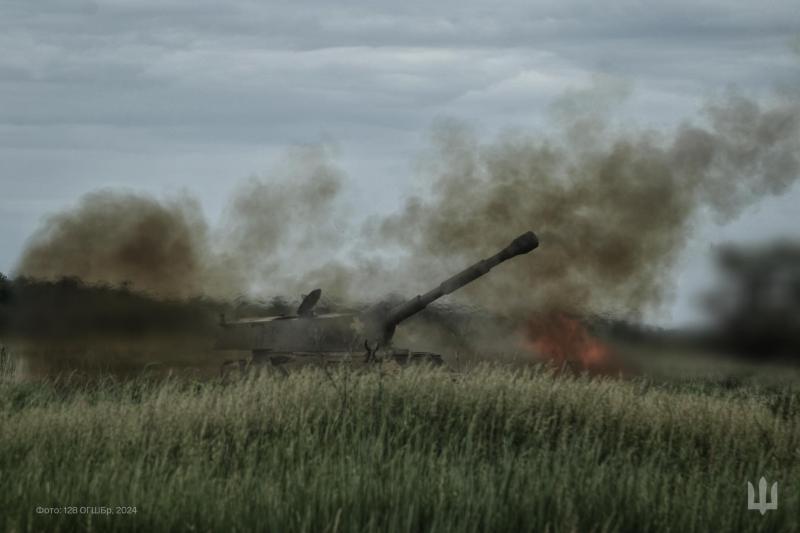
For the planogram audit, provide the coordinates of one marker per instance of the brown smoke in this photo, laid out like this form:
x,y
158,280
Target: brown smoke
x,y
612,207
270,229
612,211
122,238
277,229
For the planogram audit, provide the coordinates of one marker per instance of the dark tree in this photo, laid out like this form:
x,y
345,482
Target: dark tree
x,y
5,288
757,304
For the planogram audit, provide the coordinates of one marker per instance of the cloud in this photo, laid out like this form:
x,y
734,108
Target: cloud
x,y
223,66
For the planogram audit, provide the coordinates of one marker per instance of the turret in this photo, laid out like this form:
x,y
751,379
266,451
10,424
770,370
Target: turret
x,y
306,333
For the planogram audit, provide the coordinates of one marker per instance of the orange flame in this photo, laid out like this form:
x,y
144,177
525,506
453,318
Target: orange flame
x,y
565,340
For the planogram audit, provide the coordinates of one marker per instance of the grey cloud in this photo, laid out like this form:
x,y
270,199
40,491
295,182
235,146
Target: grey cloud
x,y
201,69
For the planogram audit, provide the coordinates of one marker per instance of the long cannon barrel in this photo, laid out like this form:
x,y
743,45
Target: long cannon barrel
x,y
521,245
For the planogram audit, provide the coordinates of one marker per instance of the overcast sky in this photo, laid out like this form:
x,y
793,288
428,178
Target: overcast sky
x,y
166,95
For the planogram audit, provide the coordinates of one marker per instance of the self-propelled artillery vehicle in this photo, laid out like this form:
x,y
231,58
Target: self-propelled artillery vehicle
x,y
332,337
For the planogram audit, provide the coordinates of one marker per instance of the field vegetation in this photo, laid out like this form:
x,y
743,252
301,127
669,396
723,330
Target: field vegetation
x,y
484,449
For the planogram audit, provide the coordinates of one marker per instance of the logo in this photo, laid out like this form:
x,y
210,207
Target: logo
x,y
762,505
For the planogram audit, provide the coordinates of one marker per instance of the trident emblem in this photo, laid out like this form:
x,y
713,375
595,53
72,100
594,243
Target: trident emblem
x,y
762,505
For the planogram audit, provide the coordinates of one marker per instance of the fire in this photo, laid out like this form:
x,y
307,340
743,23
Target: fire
x,y
563,339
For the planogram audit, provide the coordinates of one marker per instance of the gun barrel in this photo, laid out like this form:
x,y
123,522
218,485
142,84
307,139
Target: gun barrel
x,y
521,245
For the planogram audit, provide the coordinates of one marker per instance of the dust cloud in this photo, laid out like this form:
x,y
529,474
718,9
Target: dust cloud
x,y
168,249
613,207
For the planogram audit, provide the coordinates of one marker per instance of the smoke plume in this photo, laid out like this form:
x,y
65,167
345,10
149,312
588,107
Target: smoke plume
x,y
168,249
123,238
612,206
612,210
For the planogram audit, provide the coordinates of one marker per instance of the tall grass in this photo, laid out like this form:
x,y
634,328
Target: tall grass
x,y
7,364
487,450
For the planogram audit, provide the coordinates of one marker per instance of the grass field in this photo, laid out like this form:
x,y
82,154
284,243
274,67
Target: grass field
x,y
487,449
